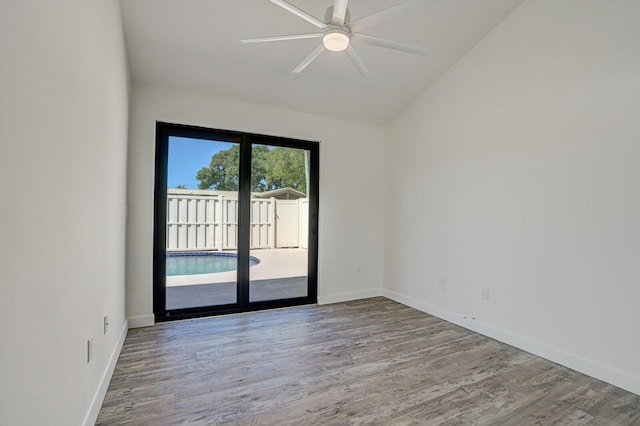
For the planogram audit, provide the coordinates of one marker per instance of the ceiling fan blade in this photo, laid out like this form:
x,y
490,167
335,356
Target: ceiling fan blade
x,y
351,53
281,38
300,13
339,11
389,44
312,56
376,17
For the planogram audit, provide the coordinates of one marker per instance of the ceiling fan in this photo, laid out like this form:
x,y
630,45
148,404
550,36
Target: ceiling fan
x,y
338,33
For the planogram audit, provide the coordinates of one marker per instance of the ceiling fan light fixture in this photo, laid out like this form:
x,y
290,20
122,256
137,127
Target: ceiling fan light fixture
x,y
336,40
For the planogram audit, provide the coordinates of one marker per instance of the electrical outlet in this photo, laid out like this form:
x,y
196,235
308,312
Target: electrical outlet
x,y
89,349
442,283
106,323
484,293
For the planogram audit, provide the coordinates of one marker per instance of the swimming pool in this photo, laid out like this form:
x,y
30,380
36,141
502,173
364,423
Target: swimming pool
x,y
195,263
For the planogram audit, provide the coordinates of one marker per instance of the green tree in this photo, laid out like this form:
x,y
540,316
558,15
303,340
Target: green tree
x,y
270,169
285,168
223,171
181,187
259,162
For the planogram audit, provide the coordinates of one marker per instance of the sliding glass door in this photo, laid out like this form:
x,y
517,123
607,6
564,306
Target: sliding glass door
x,y
202,224
279,222
235,222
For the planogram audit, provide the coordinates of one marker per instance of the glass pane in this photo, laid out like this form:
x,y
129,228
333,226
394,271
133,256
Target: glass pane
x,y
202,223
279,223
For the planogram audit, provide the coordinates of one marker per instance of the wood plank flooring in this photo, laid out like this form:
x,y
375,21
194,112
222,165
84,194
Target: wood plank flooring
x,y
368,362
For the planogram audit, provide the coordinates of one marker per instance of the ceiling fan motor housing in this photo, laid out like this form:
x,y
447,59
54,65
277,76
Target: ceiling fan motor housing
x,y
336,37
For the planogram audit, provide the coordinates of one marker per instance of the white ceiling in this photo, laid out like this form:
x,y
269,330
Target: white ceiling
x,y
194,45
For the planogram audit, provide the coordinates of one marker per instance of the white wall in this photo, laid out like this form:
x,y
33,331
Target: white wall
x,y
518,171
351,178
63,130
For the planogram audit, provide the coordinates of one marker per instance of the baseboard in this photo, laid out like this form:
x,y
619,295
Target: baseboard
x,y
585,366
98,398
351,295
141,321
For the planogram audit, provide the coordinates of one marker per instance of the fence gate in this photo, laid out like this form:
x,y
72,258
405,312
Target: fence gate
x,y
287,223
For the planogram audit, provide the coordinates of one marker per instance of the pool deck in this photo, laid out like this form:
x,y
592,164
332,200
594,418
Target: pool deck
x,y
274,263
281,274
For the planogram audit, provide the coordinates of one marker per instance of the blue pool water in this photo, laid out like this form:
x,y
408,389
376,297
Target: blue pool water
x,y
195,263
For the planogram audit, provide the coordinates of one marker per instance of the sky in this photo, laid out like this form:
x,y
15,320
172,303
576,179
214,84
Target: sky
x,y
187,156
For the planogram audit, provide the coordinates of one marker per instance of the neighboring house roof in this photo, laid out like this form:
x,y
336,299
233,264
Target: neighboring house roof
x,y
282,194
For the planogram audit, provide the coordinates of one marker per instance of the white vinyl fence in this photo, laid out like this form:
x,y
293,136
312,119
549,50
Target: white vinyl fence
x,y
210,222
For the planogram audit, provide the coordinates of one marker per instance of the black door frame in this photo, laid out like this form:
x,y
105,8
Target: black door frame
x,y
163,132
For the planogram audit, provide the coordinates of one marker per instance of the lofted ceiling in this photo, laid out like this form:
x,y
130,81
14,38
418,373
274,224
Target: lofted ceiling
x,y
194,45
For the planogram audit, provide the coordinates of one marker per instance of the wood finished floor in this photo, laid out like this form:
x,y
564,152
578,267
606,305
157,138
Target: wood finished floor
x,y
368,362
